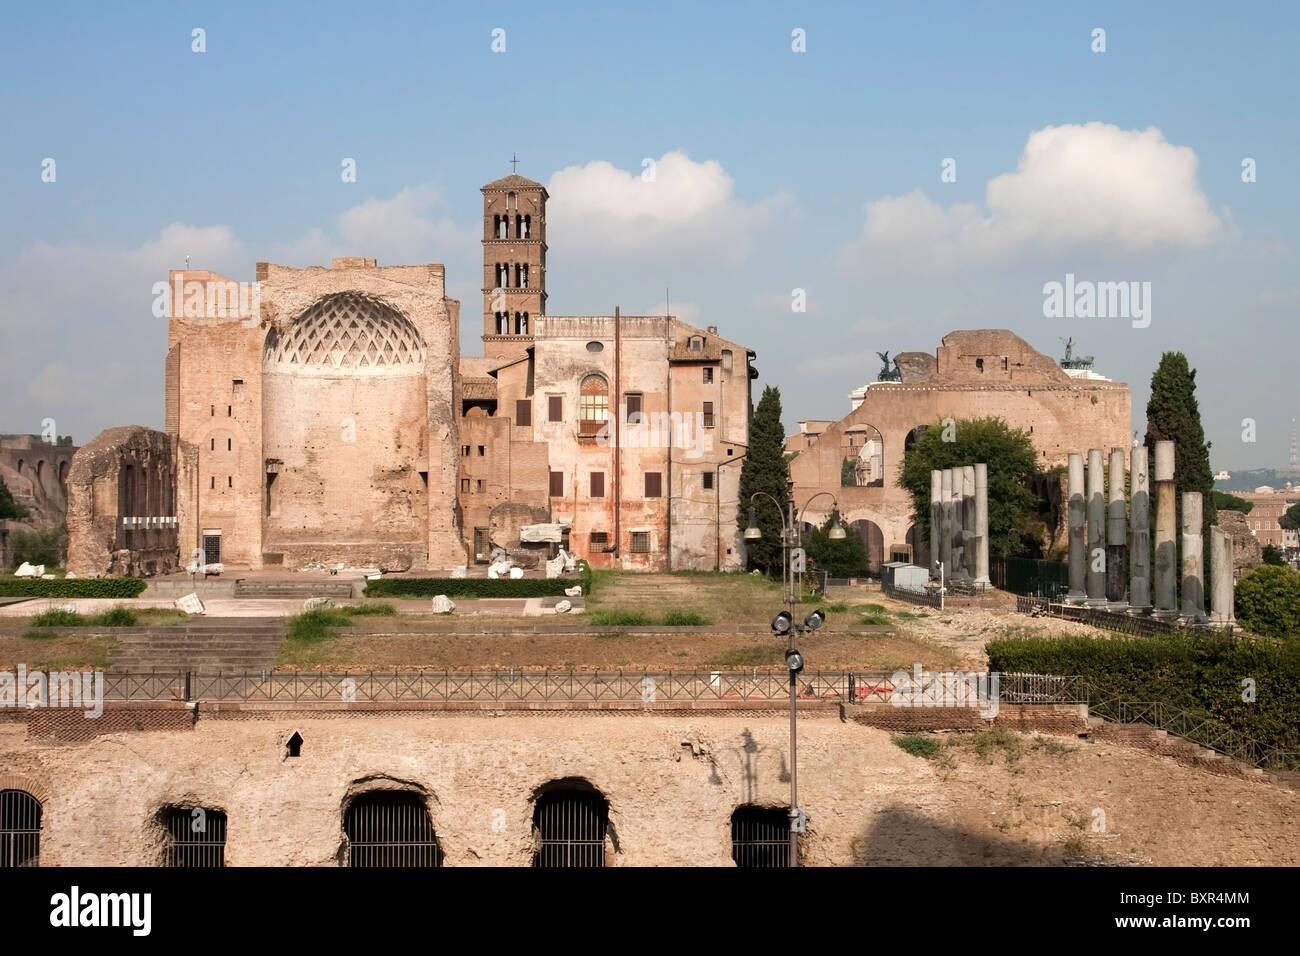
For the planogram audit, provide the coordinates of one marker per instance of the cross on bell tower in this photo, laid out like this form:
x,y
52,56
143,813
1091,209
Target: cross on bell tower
x,y
514,262
514,162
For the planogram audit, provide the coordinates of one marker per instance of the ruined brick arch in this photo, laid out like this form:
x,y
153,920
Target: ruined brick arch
x,y
346,330
63,477
31,785
873,540
864,444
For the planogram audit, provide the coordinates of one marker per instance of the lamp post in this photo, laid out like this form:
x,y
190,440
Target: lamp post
x,y
785,625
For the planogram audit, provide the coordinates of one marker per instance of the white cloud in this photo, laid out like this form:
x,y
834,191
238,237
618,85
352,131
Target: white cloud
x,y
1076,187
688,312
688,210
400,230
866,362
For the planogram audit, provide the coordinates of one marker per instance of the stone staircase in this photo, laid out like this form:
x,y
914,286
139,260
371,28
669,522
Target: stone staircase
x,y
1164,744
299,589
232,646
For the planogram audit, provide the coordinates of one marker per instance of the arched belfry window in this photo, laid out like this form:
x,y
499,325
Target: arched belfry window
x,y
593,407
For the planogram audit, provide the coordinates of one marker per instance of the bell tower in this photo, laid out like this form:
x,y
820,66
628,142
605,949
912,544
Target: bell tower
x,y
514,263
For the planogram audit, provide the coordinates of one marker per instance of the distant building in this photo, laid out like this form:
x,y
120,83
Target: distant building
x,y
1269,505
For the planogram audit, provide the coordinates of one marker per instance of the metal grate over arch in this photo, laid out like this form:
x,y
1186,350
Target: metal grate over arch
x,y
760,837
390,828
20,829
572,825
196,837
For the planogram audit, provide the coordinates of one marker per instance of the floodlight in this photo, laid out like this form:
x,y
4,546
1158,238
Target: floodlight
x,y
782,623
794,661
815,619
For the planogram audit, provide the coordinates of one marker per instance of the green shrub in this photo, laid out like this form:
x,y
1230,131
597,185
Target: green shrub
x,y
618,619
469,588
76,588
57,617
874,619
313,626
1201,674
684,619
114,617
1267,601
918,745
369,610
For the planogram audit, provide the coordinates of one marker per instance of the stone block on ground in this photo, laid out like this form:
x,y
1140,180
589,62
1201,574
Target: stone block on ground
x,y
562,607
460,571
575,591
516,573
313,603
443,604
190,604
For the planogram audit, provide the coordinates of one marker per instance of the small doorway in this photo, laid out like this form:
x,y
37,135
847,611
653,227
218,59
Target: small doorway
x,y
211,547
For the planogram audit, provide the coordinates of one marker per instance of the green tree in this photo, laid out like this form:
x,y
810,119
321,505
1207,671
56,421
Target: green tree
x,y
1290,520
1272,554
8,507
42,546
1267,602
1226,502
848,473
846,558
1173,414
1010,456
765,469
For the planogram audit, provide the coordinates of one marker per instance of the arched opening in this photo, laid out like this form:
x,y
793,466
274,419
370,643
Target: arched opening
x,y
593,405
387,828
873,541
20,466
20,829
918,547
760,836
913,435
196,837
571,826
63,477
40,477
863,451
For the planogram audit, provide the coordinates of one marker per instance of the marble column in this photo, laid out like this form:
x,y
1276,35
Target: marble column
x,y
1166,557
982,524
1193,589
1221,589
955,524
1139,549
1116,532
1096,577
945,520
936,519
968,542
1078,564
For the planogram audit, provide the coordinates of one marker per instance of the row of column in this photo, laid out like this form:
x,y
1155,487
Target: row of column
x,y
959,523
1100,542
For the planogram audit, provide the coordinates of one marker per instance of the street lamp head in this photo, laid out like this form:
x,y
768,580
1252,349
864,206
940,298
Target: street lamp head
x,y
815,619
752,533
782,623
837,530
794,661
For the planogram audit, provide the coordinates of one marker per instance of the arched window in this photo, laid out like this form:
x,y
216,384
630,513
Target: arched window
x,y
196,837
20,829
391,828
571,822
760,836
593,408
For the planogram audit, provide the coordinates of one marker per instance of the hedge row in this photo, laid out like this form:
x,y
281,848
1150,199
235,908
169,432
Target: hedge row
x,y
1202,674
75,588
477,587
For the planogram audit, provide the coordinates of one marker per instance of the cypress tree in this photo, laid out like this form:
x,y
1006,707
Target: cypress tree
x,y
1173,414
765,469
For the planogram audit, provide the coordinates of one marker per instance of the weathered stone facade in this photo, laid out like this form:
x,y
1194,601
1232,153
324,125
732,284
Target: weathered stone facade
x,y
973,374
121,503
326,415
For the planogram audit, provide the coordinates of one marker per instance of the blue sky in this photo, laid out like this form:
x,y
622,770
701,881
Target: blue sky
x,y
777,170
